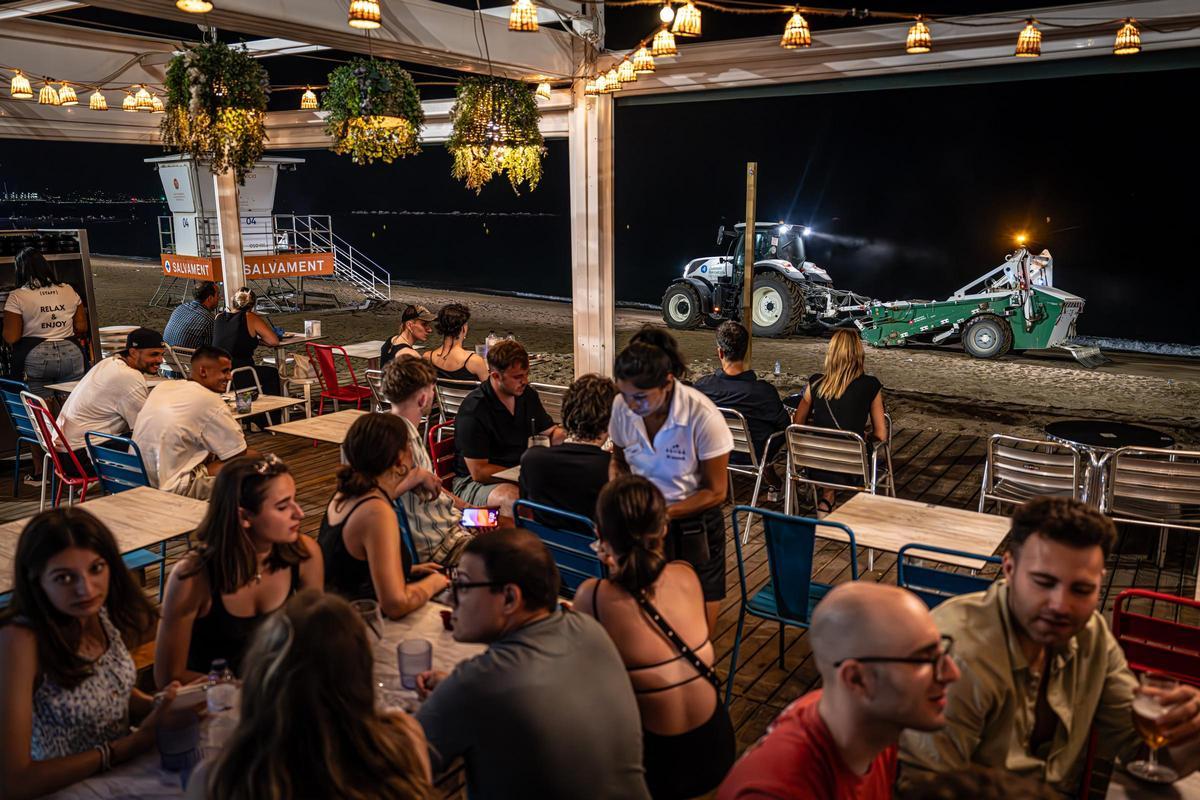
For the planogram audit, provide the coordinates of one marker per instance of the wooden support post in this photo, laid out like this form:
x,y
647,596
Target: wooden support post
x,y
229,231
748,257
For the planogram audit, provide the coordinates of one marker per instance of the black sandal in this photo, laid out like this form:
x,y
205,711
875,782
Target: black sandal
x,y
824,506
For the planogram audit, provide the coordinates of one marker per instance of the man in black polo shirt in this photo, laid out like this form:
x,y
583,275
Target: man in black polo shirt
x,y
493,426
734,386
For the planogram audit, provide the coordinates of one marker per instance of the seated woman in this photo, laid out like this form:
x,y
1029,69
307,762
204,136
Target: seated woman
x,y
842,397
687,738
239,332
452,360
67,691
298,738
252,558
360,535
415,327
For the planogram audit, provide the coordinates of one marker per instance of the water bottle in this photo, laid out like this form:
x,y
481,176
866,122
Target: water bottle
x,y
491,340
510,336
221,689
776,367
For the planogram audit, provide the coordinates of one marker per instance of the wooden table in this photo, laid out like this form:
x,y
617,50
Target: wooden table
x,y
888,523
270,402
512,474
366,350
66,387
325,428
138,518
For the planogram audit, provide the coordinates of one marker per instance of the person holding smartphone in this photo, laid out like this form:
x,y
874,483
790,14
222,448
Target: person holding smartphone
x,y
674,436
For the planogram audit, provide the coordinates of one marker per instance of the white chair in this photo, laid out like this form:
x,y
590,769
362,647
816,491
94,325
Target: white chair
x,y
450,394
1156,488
252,373
179,361
744,444
1018,469
552,399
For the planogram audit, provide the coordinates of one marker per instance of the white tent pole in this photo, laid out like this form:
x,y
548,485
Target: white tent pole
x,y
229,230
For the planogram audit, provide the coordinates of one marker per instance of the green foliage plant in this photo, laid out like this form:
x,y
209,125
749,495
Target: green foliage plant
x,y
374,111
494,129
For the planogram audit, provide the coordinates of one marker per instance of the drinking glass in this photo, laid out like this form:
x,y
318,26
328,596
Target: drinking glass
x,y
539,440
415,656
371,616
1146,712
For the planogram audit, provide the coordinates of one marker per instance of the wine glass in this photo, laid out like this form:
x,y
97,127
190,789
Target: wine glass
x,y
1147,710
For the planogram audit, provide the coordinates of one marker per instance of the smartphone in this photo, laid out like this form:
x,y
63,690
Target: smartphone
x,y
481,517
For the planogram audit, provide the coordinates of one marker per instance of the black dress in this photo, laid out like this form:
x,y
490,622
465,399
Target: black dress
x,y
219,634
850,412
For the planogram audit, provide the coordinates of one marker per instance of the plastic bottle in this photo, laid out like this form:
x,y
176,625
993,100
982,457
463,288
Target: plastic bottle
x,y
491,340
776,367
221,688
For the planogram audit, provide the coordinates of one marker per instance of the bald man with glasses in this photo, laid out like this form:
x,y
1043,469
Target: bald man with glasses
x,y
884,669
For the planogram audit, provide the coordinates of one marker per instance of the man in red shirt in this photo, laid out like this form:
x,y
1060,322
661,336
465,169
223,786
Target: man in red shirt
x,y
884,668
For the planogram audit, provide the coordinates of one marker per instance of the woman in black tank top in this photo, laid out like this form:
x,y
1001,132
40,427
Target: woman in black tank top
x,y
251,558
415,327
452,325
239,332
360,534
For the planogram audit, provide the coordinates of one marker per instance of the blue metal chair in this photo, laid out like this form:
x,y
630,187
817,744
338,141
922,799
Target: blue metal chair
x,y
405,532
791,594
22,425
120,470
935,585
571,549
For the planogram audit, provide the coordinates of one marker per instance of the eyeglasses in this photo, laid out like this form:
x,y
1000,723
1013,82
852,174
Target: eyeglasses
x,y
269,463
938,660
457,586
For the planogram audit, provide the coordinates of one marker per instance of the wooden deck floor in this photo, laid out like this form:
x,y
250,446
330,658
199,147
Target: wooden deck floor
x,y
944,469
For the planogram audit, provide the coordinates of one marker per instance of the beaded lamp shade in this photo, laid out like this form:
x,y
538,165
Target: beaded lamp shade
x,y
19,87
67,96
796,33
129,103
308,100
543,90
364,14
1029,43
601,84
625,72
143,100
663,44
1129,39
48,96
590,87
488,124
614,80
920,40
643,62
687,21
97,101
156,104
522,17
194,6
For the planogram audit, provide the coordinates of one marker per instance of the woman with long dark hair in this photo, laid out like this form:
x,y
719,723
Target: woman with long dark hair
x,y
252,558
66,677
670,433
452,360
309,725
360,534
41,316
653,610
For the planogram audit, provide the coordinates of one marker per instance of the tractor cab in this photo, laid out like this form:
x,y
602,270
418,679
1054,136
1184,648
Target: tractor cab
x,y
773,241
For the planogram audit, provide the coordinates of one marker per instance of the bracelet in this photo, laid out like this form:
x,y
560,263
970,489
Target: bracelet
x,y
105,750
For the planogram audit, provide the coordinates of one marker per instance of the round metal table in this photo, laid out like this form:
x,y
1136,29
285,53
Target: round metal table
x,y
1098,439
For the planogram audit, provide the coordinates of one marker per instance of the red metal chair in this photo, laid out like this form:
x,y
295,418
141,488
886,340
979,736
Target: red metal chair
x,y
1154,643
48,433
327,373
441,451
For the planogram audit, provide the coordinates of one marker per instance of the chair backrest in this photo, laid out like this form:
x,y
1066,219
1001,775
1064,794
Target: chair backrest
x,y
1029,467
17,415
570,549
552,399
934,585
118,469
742,443
827,449
405,532
323,355
450,394
1154,477
790,542
441,451
48,432
375,381
1155,643
246,371
179,360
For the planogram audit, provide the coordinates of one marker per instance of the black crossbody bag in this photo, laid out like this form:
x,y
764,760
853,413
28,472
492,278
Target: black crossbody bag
x,y
688,653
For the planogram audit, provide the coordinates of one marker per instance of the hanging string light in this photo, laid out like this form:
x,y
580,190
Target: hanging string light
x,y
614,80
97,101
364,15
687,21
158,107
522,17
920,40
625,72
1029,43
67,96
543,90
590,87
601,84
194,6
666,13
796,33
129,103
643,62
663,45
48,96
19,87
308,100
142,100
1129,39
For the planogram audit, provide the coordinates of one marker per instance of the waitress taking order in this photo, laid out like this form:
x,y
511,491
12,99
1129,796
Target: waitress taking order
x,y
672,435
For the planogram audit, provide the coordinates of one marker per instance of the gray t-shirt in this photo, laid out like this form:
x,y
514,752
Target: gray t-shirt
x,y
546,712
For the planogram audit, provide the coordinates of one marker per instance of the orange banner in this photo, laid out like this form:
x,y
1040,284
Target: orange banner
x,y
261,267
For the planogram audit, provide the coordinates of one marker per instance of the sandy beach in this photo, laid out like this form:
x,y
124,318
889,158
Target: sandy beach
x,y
935,388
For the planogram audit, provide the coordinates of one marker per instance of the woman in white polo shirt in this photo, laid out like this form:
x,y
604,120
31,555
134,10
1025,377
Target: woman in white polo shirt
x,y
40,317
674,436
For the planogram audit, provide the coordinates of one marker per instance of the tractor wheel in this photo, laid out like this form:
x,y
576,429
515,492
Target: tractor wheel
x,y
777,304
987,337
681,307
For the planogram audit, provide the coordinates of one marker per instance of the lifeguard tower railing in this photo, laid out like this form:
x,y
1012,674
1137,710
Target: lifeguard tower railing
x,y
357,279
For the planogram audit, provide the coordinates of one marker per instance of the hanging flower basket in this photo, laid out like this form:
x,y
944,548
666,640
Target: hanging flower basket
x,y
374,111
216,103
495,129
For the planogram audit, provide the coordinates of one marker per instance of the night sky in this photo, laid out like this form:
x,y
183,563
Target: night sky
x,y
912,193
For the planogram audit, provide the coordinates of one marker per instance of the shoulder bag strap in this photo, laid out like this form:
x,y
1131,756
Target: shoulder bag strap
x,y
685,651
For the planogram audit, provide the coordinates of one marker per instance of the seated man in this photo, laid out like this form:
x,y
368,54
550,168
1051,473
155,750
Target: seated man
x,y
191,323
571,475
547,710
493,426
884,668
112,393
734,386
186,432
1042,668
434,524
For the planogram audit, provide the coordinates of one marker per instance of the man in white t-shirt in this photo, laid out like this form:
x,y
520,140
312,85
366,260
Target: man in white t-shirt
x,y
186,432
112,393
